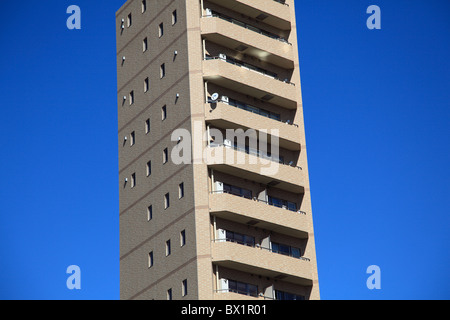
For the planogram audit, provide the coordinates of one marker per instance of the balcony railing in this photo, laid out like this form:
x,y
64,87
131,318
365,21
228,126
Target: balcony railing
x,y
258,246
252,109
250,67
215,14
255,152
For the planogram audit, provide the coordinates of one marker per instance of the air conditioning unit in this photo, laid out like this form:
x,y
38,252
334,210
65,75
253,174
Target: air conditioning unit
x,y
224,285
218,187
222,56
225,99
208,12
221,235
227,143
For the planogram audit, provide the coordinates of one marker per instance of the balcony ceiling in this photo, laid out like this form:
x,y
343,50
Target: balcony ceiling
x,y
225,124
253,12
251,91
262,224
257,177
223,40
263,272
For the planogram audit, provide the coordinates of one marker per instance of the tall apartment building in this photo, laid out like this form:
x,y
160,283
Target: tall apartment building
x,y
204,229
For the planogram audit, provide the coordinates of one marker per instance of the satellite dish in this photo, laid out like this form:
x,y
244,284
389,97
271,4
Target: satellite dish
x,y
214,97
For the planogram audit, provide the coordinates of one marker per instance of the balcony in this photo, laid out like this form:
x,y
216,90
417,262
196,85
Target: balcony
x,y
257,260
249,82
226,116
252,41
250,165
272,12
259,214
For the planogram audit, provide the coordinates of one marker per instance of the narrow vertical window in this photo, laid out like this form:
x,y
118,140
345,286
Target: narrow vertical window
x,y
182,238
169,294
149,213
165,155
168,248
133,180
162,71
147,125
144,45
184,288
132,138
161,30
174,17
181,190
150,259
146,84
166,201
164,113
129,20
149,168
144,6
131,97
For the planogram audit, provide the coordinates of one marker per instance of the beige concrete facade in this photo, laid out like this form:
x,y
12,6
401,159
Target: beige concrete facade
x,y
212,228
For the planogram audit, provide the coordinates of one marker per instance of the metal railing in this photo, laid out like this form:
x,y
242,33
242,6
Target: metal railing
x,y
247,26
255,152
255,110
280,206
250,67
258,246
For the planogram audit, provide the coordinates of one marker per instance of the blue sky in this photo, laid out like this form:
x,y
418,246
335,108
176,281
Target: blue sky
x,y
376,106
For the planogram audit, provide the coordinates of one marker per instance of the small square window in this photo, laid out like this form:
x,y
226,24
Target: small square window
x,y
147,125
163,113
174,17
182,238
144,6
149,168
169,294
146,85
165,155
150,259
168,248
129,20
133,180
166,201
162,71
133,138
184,288
161,30
144,45
149,213
181,190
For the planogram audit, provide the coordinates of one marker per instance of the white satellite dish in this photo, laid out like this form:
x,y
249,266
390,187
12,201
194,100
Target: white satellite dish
x,y
214,97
